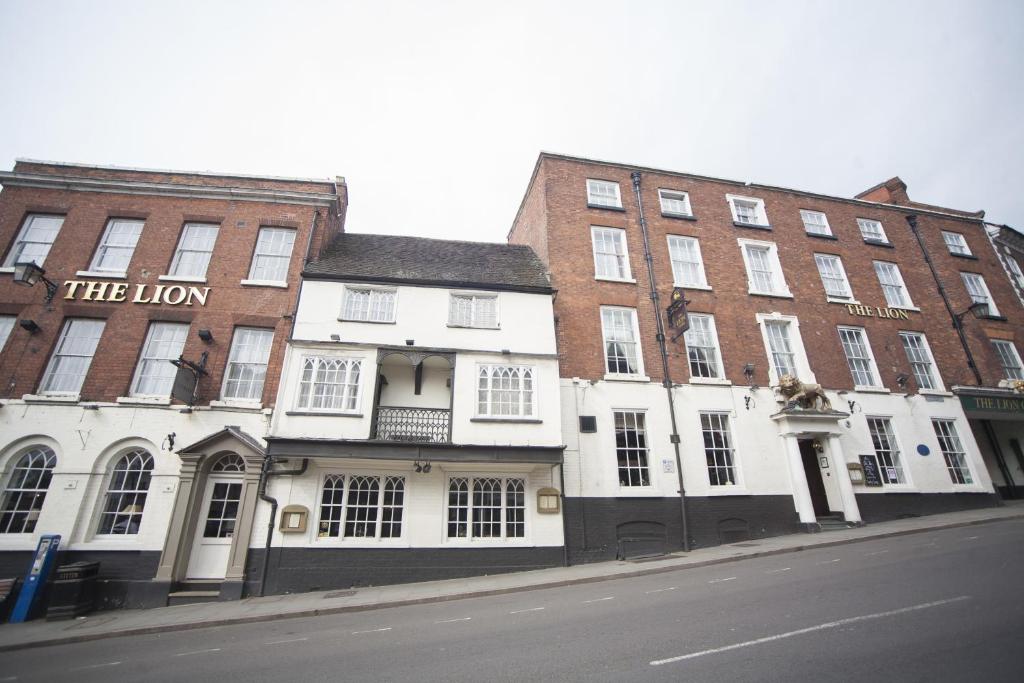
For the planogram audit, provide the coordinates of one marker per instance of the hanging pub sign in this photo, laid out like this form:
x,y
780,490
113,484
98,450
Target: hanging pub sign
x,y
116,292
186,380
877,312
676,310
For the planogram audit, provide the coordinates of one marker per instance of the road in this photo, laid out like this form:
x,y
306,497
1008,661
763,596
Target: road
x,y
940,606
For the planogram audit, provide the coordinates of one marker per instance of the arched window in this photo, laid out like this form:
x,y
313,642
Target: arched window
x,y
26,490
126,494
231,462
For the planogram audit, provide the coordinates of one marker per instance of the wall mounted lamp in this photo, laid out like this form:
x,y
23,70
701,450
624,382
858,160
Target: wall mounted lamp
x,y
978,308
206,335
901,381
28,274
29,326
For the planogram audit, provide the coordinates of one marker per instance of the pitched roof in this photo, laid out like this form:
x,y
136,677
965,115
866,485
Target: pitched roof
x,y
418,260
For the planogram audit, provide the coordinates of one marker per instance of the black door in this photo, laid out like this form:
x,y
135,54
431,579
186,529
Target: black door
x,y
814,482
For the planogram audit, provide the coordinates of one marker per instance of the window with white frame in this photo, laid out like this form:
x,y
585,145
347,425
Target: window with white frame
x,y
687,263
611,261
473,310
369,304
621,348
26,490
674,203
1009,359
505,391
603,193
702,346
833,276
6,326
1018,274
978,290
780,345
748,210
815,223
362,506
718,450
116,246
921,362
872,230
859,357
764,272
956,243
125,499
38,231
329,383
887,450
895,291
72,356
631,451
952,451
272,255
486,508
192,257
154,375
247,363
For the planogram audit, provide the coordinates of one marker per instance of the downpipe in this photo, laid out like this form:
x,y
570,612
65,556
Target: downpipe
x,y
265,473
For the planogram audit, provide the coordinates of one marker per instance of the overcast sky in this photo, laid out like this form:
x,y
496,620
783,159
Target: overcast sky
x,y
435,111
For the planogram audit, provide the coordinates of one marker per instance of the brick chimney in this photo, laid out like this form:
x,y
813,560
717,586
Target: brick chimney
x,y
892,191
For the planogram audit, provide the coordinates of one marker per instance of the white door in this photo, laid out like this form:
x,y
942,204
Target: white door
x,y
212,544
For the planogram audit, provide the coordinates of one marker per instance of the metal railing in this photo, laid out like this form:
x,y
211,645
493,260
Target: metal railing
x,y
422,425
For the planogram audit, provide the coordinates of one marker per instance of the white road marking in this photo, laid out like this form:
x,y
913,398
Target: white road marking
x,y
812,629
448,621
926,545
660,590
828,561
971,538
731,578
9,678
878,552
587,602
197,652
372,630
776,571
532,609
282,642
81,668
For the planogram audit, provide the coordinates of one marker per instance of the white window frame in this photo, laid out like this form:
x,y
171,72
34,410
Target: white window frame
x,y
872,365
645,470
470,517
174,272
676,248
803,367
373,304
256,363
352,377
1009,359
15,254
127,497
985,296
6,327
603,200
933,368
956,243
258,255
347,477
712,348
149,355
103,249
812,228
758,206
639,358
675,198
897,285
66,349
24,492
1015,270
868,225
618,235
727,450
525,403
837,263
954,453
894,452
780,288
474,322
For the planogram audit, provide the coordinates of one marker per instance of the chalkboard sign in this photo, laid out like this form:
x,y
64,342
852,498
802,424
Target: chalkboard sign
x,y
872,475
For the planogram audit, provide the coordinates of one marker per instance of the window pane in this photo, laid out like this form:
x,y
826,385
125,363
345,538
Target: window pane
x,y
273,252
702,346
247,363
687,264
1009,359
783,357
117,246
631,449
26,490
35,239
610,260
833,277
718,449
126,494
72,356
329,383
155,373
887,450
677,203
952,451
892,284
815,222
857,356
603,193
620,341
192,257
919,358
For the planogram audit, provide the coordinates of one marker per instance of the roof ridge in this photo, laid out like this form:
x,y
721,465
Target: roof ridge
x,y
429,239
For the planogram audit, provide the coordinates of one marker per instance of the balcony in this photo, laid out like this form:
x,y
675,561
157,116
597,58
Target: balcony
x,y
414,396
419,425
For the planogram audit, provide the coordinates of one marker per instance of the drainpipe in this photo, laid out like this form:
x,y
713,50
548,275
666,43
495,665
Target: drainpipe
x,y
265,475
667,381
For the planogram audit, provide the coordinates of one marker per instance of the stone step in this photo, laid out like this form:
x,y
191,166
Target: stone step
x,y
192,596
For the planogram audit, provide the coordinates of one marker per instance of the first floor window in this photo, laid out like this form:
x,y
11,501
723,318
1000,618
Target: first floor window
x,y
815,222
833,276
329,383
978,290
631,448
952,451
611,261
6,325
621,349
34,240
192,257
116,246
781,346
920,358
72,356
1009,359
126,494
718,449
893,288
603,193
871,230
888,452
687,263
247,363
362,506
473,310
505,391
858,356
273,252
154,375
26,490
486,507
702,346
764,272
367,304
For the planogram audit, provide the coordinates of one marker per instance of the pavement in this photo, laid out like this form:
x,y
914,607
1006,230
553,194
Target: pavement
x,y
120,623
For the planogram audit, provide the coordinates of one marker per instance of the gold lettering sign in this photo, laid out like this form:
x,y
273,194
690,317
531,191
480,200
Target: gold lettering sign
x,y
877,312
174,295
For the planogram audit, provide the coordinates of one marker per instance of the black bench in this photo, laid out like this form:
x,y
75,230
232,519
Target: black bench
x,y
8,594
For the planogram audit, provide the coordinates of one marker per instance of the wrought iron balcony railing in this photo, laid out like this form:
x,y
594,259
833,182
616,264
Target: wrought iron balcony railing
x,y
424,425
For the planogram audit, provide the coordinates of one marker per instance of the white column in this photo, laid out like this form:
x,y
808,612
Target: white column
x,y
801,494
850,509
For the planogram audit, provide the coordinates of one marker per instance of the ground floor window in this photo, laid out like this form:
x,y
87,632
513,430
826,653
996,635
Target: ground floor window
x,y
631,448
718,449
486,507
887,450
126,494
362,506
952,451
26,491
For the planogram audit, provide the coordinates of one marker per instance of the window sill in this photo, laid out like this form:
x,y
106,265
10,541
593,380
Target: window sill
x,y
837,300
993,317
321,413
679,216
911,307
371,322
240,405
878,243
775,295
144,400
712,381
514,420
871,390
935,392
472,327
335,542
705,288
109,275
50,398
821,236
609,377
969,257
639,492
727,490
182,278
607,208
755,226
7,269
615,279
264,283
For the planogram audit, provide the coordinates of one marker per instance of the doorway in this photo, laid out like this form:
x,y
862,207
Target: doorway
x,y
815,484
215,527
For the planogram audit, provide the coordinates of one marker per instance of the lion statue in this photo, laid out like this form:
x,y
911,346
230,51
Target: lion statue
x,y
807,396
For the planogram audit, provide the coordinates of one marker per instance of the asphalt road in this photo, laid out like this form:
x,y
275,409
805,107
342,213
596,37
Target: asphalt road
x,y
941,606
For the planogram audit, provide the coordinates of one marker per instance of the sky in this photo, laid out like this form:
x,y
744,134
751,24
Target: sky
x,y
435,112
